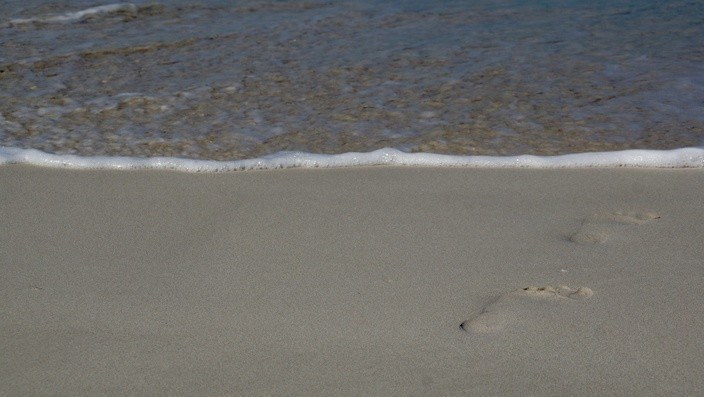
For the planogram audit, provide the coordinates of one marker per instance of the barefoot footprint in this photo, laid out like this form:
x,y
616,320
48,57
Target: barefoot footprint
x,y
520,305
596,228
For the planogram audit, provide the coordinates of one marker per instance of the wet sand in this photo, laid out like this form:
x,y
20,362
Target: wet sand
x,y
351,281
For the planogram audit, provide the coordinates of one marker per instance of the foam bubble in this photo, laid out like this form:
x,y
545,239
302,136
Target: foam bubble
x,y
677,158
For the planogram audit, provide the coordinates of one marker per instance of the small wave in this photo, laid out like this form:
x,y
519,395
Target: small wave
x,y
677,158
79,15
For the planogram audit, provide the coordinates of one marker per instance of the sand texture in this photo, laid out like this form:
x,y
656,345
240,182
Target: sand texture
x,y
378,281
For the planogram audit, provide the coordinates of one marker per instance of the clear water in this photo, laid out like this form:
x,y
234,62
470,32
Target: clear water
x,y
231,80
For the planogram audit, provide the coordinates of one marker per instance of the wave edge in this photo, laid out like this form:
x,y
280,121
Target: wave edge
x,y
691,157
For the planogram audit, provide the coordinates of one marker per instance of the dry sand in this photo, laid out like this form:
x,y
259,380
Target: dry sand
x,y
352,281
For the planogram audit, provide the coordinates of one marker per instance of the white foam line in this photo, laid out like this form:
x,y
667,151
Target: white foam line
x,y
78,15
677,158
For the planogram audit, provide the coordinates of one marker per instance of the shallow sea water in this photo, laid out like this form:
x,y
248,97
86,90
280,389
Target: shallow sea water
x,y
230,80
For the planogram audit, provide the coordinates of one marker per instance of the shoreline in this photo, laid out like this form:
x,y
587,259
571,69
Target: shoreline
x,y
380,280
687,157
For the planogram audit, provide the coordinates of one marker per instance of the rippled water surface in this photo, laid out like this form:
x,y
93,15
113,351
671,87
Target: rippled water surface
x,y
240,79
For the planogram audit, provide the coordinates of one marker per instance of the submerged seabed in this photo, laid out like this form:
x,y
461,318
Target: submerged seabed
x,y
232,80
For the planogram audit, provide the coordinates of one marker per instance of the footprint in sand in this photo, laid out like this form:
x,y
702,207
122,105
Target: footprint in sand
x,y
521,305
596,228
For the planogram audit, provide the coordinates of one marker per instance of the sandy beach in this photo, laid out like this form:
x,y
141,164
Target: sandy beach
x,y
377,281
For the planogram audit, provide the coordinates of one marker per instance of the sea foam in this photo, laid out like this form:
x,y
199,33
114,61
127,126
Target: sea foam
x,y
678,158
78,15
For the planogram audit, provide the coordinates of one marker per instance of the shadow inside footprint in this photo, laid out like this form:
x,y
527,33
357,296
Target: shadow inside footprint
x,y
521,305
596,228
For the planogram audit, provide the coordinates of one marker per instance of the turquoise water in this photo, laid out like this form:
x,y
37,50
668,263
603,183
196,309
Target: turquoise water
x,y
241,79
